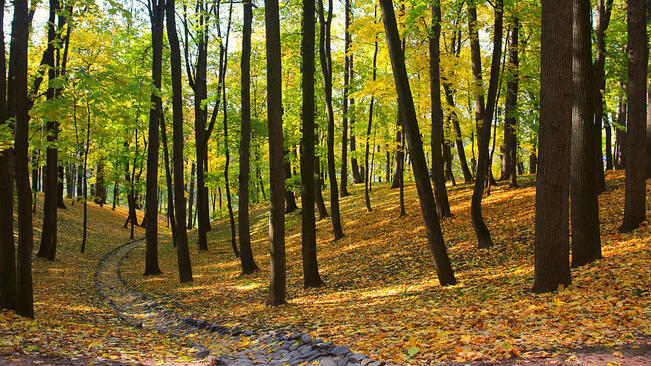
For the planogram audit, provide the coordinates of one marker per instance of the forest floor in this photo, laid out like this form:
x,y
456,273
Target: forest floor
x,y
381,295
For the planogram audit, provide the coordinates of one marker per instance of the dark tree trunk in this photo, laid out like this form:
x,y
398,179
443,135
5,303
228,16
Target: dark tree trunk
x,y
168,179
483,114
447,157
598,76
648,130
586,241
182,251
552,243
85,193
440,191
635,138
70,182
347,81
18,87
400,153
7,247
60,179
157,18
511,109
354,165
609,147
416,154
367,184
246,254
533,162
116,195
278,286
326,67
47,248
387,166
193,170
620,129
311,277
320,203
290,200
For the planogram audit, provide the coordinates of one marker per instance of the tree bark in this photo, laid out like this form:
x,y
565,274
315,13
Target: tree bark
x,y
193,170
278,286
347,81
246,254
511,109
367,188
18,86
182,251
483,113
290,200
157,17
635,138
552,242
311,277
586,240
440,191
320,204
7,246
168,179
85,193
416,154
326,68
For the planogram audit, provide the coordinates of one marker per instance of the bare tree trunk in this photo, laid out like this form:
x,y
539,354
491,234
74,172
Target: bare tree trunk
x,y
182,251
278,287
586,239
552,243
635,138
367,188
326,67
511,109
416,154
348,76
246,254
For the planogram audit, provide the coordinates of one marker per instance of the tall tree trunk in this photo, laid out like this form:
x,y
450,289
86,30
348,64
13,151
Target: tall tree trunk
x,y
290,200
326,67
586,240
635,138
278,286
447,157
620,127
367,188
18,87
47,248
552,242
168,179
511,109
182,251
320,204
60,179
155,115
416,154
7,247
483,113
598,76
86,149
609,147
193,170
246,255
347,81
311,277
440,191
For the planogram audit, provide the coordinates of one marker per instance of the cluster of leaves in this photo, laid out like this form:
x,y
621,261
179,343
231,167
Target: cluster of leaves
x,y
382,296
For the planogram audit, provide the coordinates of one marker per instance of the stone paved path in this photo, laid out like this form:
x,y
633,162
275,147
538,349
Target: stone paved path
x,y
265,347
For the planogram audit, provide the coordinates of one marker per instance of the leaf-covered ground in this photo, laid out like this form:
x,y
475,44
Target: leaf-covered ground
x,y
72,323
382,296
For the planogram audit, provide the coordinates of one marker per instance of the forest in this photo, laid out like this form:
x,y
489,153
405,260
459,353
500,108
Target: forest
x,y
333,182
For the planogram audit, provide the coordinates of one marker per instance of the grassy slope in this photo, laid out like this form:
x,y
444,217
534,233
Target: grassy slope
x,y
382,296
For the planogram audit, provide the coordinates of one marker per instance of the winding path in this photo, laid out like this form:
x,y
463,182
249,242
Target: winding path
x,y
263,347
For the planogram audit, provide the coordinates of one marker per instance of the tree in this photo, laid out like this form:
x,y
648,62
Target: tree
x,y
311,277
417,156
7,247
348,76
586,241
511,108
18,84
552,247
156,16
246,255
483,113
278,287
440,191
367,139
326,69
182,251
635,138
